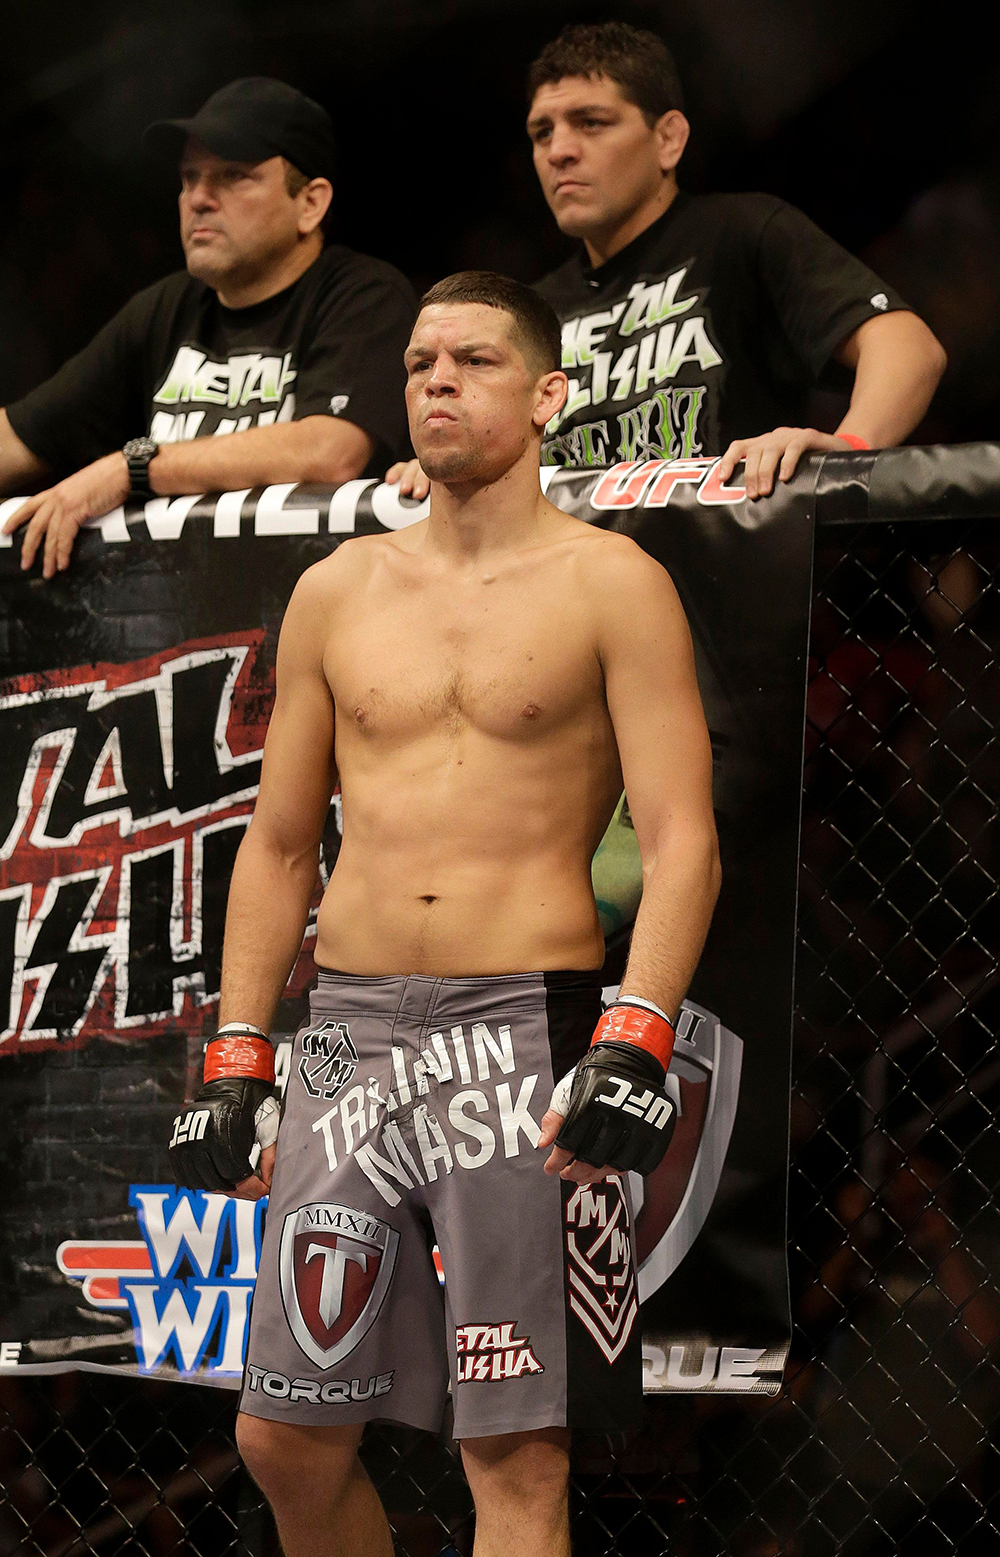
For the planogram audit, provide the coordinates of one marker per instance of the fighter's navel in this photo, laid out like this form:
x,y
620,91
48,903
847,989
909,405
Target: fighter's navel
x,y
530,711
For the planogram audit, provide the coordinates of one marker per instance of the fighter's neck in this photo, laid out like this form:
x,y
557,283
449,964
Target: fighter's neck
x,y
470,522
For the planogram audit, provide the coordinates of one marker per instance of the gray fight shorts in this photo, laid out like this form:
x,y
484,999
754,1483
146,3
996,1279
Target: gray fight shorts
x,y
411,1118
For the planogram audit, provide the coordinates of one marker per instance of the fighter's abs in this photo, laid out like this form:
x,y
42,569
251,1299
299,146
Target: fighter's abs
x,y
478,770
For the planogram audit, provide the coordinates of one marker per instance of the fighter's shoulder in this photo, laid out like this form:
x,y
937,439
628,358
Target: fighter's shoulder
x,y
341,573
624,581
608,557
322,592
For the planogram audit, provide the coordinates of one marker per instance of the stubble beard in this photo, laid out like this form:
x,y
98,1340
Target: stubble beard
x,y
465,464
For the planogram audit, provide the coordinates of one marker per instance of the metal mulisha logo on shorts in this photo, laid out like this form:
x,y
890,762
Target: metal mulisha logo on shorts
x,y
329,1059
335,1266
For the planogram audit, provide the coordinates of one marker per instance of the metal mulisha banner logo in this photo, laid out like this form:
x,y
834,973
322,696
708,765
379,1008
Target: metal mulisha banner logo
x,y
124,793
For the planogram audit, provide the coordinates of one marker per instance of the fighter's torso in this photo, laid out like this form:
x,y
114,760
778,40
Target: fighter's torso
x,y
477,762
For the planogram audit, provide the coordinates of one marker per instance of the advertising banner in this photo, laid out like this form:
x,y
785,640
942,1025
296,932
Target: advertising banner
x,y
134,697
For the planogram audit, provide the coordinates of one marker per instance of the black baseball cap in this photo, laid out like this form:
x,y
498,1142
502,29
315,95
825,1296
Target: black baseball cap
x,y
250,120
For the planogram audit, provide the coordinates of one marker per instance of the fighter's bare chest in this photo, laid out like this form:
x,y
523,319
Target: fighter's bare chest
x,y
504,662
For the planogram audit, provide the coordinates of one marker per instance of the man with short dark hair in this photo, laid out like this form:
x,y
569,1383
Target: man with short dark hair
x,y
482,683
273,358
697,324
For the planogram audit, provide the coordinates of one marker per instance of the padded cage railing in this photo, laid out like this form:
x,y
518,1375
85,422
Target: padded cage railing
x,y
886,1437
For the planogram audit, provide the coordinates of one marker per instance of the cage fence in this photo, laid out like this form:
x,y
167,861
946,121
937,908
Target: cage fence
x,y
885,1437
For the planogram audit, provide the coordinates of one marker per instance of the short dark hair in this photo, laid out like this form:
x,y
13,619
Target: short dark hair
x,y
536,328
637,61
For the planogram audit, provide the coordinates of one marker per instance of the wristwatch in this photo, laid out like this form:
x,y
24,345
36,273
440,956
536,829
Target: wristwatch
x,y
138,452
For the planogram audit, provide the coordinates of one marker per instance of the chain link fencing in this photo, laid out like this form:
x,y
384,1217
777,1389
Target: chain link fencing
x,y
885,1437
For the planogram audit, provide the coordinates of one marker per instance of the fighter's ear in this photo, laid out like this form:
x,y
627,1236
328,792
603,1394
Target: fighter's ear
x,y
672,131
551,391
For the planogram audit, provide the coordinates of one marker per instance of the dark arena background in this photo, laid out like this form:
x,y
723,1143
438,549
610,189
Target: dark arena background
x,y
882,122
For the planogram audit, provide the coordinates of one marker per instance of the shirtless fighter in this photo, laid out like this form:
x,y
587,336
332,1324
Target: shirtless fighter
x,y
483,684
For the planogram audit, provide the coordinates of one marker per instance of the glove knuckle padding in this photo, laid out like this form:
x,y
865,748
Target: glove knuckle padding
x,y
214,1135
619,1113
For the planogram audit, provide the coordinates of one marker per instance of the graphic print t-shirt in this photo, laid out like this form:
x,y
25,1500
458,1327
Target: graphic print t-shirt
x,y
176,364
713,324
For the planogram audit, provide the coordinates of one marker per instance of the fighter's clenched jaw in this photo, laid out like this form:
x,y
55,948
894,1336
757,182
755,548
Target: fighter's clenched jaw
x,y
475,400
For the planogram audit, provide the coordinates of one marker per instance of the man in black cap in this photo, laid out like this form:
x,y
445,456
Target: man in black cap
x,y
292,348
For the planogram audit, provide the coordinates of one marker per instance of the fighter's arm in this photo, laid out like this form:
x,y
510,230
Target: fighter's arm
x,y
323,449
19,468
897,364
273,880
275,871
652,694
666,760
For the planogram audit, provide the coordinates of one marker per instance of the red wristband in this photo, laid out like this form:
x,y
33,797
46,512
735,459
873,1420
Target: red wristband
x,y
853,440
239,1056
631,1024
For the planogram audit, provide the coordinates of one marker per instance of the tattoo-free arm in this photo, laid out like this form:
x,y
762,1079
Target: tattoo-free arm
x,y
276,867
666,760
897,363
323,449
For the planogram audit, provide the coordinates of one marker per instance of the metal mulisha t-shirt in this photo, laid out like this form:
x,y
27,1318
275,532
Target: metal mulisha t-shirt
x,y
713,324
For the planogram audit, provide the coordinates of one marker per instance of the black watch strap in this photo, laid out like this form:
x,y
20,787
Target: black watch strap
x,y
138,453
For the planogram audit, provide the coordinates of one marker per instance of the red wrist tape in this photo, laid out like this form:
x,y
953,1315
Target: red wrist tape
x,y
241,1055
632,1024
853,440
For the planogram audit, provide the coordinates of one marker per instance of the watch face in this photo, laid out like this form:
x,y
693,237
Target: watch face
x,y
140,448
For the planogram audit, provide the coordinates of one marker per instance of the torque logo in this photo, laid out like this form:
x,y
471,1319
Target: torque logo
x,y
488,1353
335,1266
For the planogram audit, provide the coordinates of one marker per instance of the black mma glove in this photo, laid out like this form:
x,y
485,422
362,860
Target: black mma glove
x,y
217,1138
615,1105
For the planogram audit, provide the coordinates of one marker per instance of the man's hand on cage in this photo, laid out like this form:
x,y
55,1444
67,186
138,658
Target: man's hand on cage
x,y
56,515
774,452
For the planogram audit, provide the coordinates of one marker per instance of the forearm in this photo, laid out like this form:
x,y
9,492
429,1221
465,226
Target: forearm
x,y
897,365
20,470
317,449
680,887
266,918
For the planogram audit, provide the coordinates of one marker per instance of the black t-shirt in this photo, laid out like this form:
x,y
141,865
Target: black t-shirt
x,y
175,363
713,324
